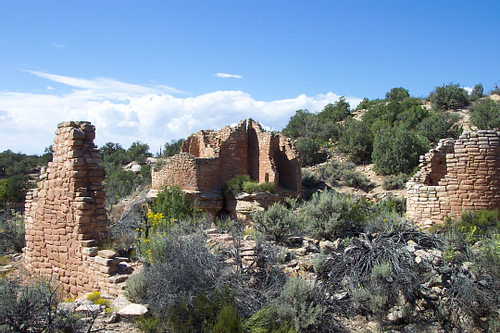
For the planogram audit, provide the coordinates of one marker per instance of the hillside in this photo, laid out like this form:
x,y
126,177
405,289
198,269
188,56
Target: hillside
x,y
343,258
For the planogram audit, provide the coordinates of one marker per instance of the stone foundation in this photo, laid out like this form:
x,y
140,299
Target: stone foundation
x,y
457,175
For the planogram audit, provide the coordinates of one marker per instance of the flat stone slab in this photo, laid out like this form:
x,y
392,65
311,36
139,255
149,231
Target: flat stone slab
x,y
89,308
108,254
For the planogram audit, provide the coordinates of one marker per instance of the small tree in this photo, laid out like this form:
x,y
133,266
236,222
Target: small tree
x,y
449,97
113,153
486,115
439,126
397,150
13,189
309,151
477,93
173,204
297,124
138,151
309,125
356,141
337,111
172,148
397,94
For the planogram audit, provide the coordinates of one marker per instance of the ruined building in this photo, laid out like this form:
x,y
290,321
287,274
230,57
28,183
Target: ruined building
x,y
457,175
210,158
65,217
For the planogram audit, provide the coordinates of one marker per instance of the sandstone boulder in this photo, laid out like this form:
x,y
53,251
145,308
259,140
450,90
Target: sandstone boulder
x,y
133,310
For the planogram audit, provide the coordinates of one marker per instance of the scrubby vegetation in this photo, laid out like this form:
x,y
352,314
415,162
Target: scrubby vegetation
x,y
243,183
330,215
450,96
395,182
15,169
33,307
337,173
11,232
390,132
278,222
383,267
18,174
118,182
171,148
397,150
310,151
486,115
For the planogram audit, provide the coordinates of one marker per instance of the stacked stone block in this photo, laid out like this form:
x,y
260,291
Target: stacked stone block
x,y
65,216
457,175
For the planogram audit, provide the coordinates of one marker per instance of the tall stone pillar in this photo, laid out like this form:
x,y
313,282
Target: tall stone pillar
x,y
65,214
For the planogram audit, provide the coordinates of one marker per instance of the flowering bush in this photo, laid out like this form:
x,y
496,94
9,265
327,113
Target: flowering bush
x,y
151,234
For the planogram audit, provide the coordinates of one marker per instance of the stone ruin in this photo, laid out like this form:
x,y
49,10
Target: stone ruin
x,y
65,218
65,215
457,175
210,158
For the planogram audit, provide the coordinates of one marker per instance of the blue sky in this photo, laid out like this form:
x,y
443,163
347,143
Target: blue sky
x,y
160,70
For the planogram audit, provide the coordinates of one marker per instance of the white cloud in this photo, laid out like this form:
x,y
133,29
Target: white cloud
x,y
124,112
228,75
468,89
59,46
50,88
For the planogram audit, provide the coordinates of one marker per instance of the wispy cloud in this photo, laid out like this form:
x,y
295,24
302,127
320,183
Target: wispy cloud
x,y
50,88
107,87
228,75
124,112
59,46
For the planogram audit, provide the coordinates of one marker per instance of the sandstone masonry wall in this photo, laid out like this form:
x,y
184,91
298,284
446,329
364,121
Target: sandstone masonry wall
x,y
273,158
208,159
457,175
65,217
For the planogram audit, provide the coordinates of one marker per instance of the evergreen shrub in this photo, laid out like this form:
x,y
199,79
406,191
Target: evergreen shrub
x,y
329,215
440,126
395,182
309,151
397,150
243,183
356,140
277,222
334,172
485,115
173,204
450,96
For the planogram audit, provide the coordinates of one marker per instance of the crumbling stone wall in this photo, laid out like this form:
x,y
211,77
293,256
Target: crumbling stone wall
x,y
65,216
192,173
457,175
272,157
208,159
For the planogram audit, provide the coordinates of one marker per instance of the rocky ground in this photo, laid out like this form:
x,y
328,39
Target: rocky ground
x,y
297,260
